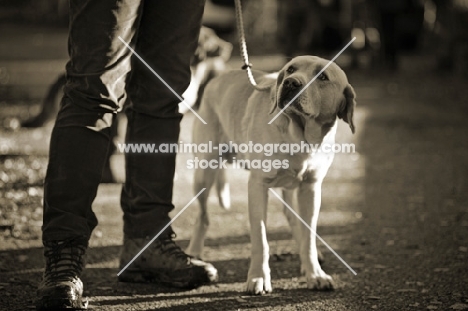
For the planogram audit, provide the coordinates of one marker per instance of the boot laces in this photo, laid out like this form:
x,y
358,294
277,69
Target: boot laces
x,y
169,246
64,260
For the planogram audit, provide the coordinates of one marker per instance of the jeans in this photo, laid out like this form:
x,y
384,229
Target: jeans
x,y
101,73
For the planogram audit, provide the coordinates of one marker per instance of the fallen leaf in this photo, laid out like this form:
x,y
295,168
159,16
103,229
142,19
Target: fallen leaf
x,y
373,298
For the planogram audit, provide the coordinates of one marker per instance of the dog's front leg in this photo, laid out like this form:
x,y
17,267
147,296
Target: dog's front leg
x,y
309,199
294,223
258,279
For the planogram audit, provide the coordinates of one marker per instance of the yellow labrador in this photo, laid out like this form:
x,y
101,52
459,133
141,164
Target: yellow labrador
x,y
237,113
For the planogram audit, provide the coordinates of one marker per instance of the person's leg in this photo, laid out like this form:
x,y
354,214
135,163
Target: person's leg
x,y
95,88
166,40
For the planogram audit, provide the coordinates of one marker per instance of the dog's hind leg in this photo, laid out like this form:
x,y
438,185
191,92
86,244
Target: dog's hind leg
x,y
50,105
203,134
204,178
222,188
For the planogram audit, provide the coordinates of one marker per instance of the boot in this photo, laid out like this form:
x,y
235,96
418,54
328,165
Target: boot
x,y
61,287
164,262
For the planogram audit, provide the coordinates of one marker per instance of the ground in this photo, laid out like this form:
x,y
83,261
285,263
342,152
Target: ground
x,y
396,210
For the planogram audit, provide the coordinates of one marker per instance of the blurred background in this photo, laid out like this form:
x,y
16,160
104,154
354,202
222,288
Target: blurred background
x,y
385,31
397,210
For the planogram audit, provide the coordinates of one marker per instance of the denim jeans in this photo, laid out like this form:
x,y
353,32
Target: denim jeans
x,y
101,73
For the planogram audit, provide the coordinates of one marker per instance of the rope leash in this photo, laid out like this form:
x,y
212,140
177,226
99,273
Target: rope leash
x,y
243,49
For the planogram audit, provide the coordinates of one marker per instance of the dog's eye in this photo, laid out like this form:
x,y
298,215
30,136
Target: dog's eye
x,y
323,77
291,69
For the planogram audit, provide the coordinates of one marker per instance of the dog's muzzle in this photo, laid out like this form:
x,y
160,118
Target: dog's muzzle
x,y
291,87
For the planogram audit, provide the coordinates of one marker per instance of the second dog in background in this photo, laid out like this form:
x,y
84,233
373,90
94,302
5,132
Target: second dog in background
x,y
209,61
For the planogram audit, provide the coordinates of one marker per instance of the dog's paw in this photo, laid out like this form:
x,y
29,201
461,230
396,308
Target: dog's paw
x,y
320,281
258,286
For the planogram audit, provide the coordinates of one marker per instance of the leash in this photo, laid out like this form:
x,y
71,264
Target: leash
x,y
243,49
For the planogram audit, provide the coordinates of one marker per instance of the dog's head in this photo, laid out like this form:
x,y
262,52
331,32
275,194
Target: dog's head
x,y
211,46
315,105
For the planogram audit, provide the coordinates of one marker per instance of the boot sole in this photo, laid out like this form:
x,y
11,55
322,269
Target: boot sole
x,y
162,277
50,304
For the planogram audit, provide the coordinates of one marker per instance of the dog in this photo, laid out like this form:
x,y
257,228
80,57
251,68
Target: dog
x,y
236,112
208,61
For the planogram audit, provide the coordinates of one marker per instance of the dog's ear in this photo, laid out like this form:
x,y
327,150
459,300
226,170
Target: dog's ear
x,y
207,45
212,45
274,91
347,107
225,50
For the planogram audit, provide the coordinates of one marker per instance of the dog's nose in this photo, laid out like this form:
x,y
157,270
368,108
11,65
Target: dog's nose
x,y
292,83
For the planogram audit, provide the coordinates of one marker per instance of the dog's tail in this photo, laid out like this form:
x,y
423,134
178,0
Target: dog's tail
x,y
222,189
50,104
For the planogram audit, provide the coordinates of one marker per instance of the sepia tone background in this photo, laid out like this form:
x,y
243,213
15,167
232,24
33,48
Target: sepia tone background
x,y
396,210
